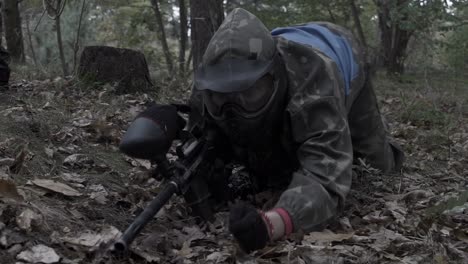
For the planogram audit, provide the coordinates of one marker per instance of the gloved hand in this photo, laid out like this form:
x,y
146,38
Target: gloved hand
x,y
248,227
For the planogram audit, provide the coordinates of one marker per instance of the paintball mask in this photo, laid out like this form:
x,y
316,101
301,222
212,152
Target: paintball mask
x,y
242,80
247,96
248,108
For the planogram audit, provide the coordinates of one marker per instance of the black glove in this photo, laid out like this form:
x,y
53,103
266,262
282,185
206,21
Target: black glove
x,y
248,227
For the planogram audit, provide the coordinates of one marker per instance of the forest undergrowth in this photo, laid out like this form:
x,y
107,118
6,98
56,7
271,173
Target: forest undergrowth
x,y
66,190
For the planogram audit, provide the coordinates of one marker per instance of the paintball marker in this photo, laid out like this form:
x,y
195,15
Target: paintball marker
x,y
150,136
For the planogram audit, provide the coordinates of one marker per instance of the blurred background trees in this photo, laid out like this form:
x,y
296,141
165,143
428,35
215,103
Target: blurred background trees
x,y
399,35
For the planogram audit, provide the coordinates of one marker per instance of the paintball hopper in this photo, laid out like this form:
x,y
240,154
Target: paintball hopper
x,y
152,132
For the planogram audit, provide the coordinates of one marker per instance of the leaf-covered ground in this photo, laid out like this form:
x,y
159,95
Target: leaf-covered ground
x,y
65,190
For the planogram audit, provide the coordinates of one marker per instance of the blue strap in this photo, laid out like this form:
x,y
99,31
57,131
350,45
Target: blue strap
x,y
334,46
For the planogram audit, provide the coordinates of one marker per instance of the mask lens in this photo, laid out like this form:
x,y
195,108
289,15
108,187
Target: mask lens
x,y
257,96
214,102
250,100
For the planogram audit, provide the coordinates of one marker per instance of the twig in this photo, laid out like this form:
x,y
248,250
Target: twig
x,y
399,185
268,251
57,11
75,47
40,19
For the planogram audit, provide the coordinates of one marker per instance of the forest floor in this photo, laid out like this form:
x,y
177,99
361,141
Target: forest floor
x,y
66,190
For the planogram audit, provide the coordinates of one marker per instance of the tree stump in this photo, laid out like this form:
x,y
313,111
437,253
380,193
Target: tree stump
x,y
124,68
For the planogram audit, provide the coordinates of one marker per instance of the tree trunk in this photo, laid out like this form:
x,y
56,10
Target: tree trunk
x,y
125,69
189,59
162,35
13,32
183,35
76,45
60,46
48,54
1,23
31,46
357,23
205,18
394,39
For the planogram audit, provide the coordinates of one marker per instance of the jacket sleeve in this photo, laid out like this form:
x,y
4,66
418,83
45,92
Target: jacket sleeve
x,y
319,126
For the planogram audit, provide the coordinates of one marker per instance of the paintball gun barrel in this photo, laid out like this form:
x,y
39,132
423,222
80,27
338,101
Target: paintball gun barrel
x,y
150,136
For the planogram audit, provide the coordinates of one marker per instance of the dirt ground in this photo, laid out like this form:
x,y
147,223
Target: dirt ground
x,y
66,190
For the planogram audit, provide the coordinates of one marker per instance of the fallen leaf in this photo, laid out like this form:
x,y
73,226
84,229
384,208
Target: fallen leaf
x,y
49,152
92,239
144,163
448,205
10,237
461,209
185,250
360,239
15,249
8,190
6,161
416,195
77,160
384,237
326,236
346,224
193,233
82,123
218,257
39,254
27,218
461,254
8,111
139,162
16,166
56,187
99,193
376,217
322,258
73,177
109,233
28,192
154,245
147,256
76,214
397,211
46,106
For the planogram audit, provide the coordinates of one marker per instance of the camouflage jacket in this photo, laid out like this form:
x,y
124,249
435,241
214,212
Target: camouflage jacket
x,y
318,108
316,142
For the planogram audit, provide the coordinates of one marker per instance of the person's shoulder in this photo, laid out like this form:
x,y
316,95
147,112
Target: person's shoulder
x,y
302,60
293,50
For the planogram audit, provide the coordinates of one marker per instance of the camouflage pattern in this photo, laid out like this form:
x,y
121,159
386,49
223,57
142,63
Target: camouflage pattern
x,y
323,128
254,39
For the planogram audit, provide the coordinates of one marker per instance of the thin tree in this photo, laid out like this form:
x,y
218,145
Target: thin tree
x,y
183,35
13,31
76,45
1,22
205,18
393,38
162,35
31,46
398,21
357,23
54,10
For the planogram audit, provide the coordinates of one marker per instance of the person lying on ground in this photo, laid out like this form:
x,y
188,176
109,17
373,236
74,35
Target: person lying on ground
x,y
296,106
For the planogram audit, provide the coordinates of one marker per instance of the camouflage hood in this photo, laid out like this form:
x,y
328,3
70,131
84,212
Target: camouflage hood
x,y
240,52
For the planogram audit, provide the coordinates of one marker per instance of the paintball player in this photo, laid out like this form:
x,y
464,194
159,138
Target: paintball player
x,y
295,106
